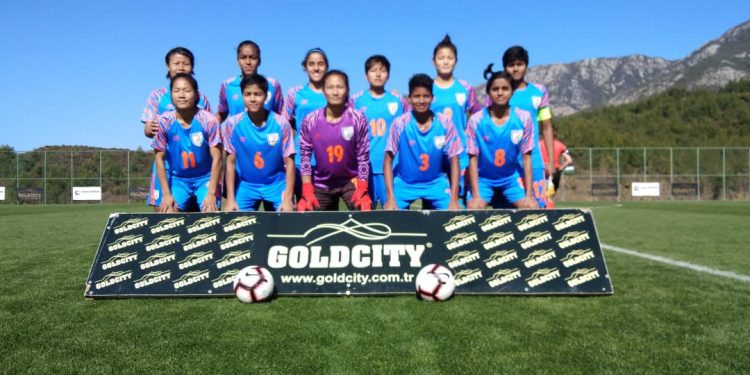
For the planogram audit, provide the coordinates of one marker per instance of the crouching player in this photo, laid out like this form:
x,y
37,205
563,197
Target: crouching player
x,y
380,108
260,153
495,137
423,142
337,136
189,139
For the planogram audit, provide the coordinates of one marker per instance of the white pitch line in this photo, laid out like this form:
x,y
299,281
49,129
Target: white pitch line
x,y
678,263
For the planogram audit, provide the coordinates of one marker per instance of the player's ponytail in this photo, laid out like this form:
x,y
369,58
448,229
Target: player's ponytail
x,y
445,43
488,72
491,76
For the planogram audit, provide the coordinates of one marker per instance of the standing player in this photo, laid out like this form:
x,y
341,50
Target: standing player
x,y
560,152
230,93
424,142
495,137
178,60
338,138
380,108
531,97
260,153
189,139
453,97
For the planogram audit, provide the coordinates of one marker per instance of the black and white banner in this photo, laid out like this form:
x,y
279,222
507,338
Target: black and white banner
x,y
350,253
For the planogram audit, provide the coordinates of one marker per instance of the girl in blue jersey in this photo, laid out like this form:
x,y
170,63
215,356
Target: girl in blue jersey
x,y
230,94
178,60
495,138
189,139
453,97
260,153
426,144
532,97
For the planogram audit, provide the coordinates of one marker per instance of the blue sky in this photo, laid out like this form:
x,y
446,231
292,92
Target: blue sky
x,y
79,72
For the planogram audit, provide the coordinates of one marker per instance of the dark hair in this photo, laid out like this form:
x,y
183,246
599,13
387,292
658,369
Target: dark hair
x,y
445,43
420,80
491,76
377,59
190,80
249,43
515,53
255,79
179,51
314,50
336,72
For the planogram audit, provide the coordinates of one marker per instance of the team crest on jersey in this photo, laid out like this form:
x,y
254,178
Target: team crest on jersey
x,y
197,138
273,139
392,108
439,141
515,136
461,98
347,132
536,101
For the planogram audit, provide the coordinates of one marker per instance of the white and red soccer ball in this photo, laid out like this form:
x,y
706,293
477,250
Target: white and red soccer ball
x,y
253,284
435,282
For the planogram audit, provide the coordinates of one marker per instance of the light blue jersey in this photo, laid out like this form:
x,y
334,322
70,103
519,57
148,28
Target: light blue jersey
x,y
455,102
497,147
188,150
380,113
299,102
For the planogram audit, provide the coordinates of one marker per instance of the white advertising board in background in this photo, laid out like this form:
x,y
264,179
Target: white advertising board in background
x,y
645,189
2,193
87,193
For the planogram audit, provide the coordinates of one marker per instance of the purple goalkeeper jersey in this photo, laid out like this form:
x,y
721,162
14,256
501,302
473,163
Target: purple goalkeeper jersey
x,y
341,149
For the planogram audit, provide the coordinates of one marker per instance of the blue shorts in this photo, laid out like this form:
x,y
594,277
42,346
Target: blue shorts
x,y
377,189
184,189
436,194
502,193
539,185
249,196
154,188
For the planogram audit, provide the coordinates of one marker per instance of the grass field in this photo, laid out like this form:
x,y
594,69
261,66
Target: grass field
x,y
661,319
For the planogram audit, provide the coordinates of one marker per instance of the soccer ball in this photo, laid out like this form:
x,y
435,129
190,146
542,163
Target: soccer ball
x,y
435,283
253,284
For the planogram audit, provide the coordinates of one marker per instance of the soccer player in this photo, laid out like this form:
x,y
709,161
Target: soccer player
x,y
260,153
532,97
230,94
189,139
380,108
560,152
453,97
178,60
495,137
424,142
337,136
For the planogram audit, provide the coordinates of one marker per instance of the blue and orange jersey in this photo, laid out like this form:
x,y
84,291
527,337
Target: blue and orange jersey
x,y
455,102
188,150
498,146
230,96
380,113
422,156
534,99
259,150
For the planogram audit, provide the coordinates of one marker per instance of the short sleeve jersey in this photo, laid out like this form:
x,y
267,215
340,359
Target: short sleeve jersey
x,y
188,150
259,150
379,113
301,101
230,96
534,99
455,101
342,149
422,155
497,147
160,101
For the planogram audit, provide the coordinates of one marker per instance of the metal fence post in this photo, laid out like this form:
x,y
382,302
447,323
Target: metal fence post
x,y
724,173
127,175
45,176
591,177
617,152
101,187
18,179
645,165
698,170
671,173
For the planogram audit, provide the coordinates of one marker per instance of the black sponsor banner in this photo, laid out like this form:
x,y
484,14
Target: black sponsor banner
x,y
350,253
604,190
682,189
30,195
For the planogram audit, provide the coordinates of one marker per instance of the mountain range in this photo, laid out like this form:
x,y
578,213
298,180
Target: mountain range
x,y
599,82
